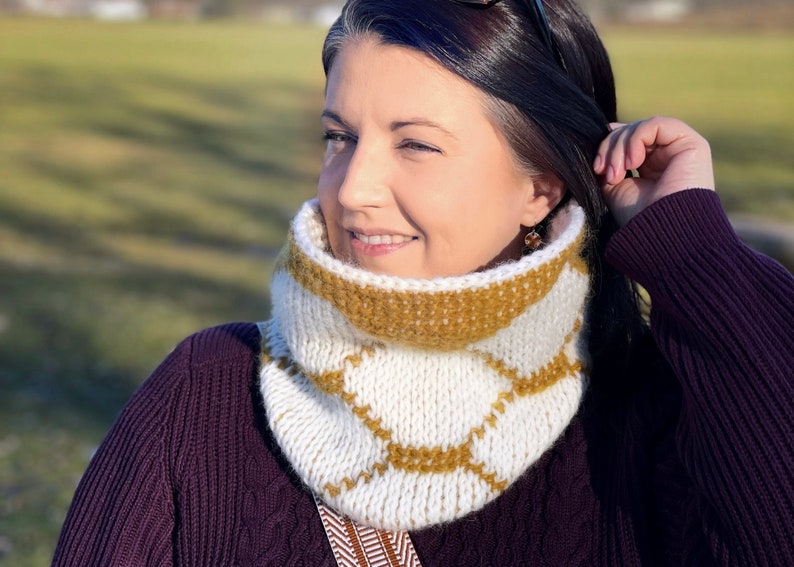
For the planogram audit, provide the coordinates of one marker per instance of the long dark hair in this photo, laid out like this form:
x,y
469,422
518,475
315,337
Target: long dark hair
x,y
553,116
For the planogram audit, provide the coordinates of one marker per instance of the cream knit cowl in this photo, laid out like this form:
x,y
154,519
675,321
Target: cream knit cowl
x,y
403,403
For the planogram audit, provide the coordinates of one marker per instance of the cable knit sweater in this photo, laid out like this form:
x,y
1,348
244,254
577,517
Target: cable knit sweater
x,y
690,465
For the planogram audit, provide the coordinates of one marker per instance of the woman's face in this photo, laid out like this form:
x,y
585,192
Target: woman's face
x,y
416,180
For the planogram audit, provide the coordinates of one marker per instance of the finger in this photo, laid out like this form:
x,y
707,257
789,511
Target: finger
x,y
610,154
648,135
638,145
616,158
660,131
604,148
669,141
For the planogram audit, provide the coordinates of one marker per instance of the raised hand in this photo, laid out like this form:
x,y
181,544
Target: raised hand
x,y
668,155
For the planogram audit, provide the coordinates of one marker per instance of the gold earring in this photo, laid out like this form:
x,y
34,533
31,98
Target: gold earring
x,y
532,241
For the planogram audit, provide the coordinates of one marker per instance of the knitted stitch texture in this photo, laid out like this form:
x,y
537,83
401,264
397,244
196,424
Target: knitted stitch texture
x,y
406,403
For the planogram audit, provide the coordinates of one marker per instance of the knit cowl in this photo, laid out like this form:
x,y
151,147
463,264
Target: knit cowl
x,y
403,403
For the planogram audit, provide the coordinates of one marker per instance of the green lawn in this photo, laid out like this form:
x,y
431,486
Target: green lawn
x,y
737,90
148,172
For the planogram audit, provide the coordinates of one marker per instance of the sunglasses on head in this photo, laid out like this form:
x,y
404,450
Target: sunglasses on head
x,y
539,13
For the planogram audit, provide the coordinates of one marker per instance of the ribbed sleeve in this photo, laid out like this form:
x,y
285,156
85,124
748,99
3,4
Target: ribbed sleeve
x,y
189,476
723,316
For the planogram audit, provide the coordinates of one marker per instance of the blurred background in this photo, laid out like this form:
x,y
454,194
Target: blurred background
x,y
152,153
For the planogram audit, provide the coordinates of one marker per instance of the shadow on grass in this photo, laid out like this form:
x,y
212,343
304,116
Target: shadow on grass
x,y
58,359
58,349
81,324
51,362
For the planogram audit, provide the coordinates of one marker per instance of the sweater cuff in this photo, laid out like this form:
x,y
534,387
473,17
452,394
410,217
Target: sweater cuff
x,y
683,229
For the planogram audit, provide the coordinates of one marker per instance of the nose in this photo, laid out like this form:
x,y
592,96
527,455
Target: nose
x,y
364,181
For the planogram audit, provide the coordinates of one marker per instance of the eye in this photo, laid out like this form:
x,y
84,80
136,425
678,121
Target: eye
x,y
338,138
415,146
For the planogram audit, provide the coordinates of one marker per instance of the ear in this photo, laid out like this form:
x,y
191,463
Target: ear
x,y
543,192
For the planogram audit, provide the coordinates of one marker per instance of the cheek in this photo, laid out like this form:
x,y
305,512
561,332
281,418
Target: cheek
x,y
327,193
483,210
326,190
330,175
331,178
471,199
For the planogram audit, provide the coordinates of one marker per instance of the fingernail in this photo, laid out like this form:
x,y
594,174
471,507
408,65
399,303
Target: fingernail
x,y
599,161
610,173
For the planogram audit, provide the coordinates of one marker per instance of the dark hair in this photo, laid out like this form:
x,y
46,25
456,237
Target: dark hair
x,y
552,117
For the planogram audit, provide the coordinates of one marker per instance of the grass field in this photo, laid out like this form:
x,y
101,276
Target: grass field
x,y
149,172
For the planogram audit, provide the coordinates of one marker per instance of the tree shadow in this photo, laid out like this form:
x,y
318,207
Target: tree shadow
x,y
81,324
59,356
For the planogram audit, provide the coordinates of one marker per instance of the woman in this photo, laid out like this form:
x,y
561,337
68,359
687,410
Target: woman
x,y
453,353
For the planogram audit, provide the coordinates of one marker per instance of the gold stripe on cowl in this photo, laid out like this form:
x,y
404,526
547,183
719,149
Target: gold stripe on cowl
x,y
441,320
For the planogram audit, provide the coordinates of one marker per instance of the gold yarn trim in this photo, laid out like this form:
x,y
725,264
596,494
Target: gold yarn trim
x,y
428,459
332,382
434,460
442,320
535,383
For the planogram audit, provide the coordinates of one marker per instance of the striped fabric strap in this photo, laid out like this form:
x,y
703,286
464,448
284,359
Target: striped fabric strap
x,y
361,546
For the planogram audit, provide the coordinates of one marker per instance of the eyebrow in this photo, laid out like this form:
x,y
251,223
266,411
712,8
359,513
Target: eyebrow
x,y
421,122
336,118
394,126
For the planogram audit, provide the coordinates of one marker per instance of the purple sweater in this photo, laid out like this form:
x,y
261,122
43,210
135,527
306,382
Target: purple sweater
x,y
692,465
